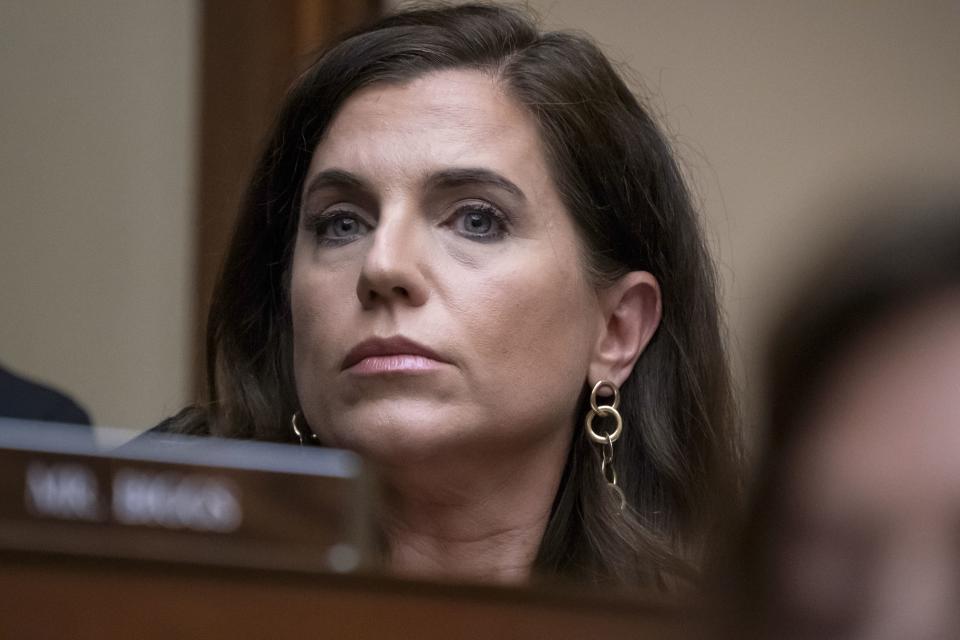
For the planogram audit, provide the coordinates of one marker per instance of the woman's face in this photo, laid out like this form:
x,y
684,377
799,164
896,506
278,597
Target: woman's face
x,y
438,300
871,547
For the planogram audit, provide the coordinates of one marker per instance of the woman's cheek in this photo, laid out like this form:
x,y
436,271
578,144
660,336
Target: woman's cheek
x,y
532,323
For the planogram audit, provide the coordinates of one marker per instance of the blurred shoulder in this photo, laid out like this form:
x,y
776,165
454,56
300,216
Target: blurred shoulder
x,y
29,400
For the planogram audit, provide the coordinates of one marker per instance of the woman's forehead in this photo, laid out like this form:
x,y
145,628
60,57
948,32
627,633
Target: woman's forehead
x,y
442,119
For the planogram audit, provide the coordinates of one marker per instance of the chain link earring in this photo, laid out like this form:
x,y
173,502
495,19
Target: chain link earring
x,y
606,440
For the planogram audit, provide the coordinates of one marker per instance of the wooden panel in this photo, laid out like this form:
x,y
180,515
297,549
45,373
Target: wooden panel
x,y
251,51
51,598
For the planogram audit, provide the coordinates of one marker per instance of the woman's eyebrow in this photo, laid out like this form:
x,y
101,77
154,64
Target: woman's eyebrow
x,y
335,178
451,178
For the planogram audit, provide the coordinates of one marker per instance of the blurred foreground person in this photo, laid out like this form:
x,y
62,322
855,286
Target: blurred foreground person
x,y
856,530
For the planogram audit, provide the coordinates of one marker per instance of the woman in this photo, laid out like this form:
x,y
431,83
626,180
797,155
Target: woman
x,y
854,526
459,228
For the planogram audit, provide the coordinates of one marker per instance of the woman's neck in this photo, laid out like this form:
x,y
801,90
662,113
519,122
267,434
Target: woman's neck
x,y
504,556
474,520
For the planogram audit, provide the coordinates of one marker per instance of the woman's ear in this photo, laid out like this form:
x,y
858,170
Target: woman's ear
x,y
631,310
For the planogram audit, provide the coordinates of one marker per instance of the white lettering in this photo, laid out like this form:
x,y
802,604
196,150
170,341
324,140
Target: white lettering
x,y
67,491
175,501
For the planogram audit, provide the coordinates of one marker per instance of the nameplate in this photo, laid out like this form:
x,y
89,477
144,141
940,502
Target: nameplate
x,y
192,500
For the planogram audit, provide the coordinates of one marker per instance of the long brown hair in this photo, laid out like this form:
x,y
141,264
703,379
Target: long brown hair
x,y
678,457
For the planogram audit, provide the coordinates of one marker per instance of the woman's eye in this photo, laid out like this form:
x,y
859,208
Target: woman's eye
x,y
480,222
338,227
343,227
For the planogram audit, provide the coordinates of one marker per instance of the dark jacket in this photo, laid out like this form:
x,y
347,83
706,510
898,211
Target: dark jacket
x,y
25,400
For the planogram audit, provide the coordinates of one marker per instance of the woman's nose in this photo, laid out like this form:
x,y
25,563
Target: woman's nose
x,y
392,270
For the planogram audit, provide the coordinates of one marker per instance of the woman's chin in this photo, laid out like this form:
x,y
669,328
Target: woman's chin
x,y
400,435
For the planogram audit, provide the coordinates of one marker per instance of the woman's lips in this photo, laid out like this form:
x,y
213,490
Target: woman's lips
x,y
400,363
390,355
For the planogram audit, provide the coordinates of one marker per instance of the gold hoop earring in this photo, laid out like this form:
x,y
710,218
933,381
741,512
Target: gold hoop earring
x,y
300,434
606,440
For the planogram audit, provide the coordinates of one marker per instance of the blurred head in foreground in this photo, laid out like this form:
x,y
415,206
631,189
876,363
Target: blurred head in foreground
x,y
856,530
